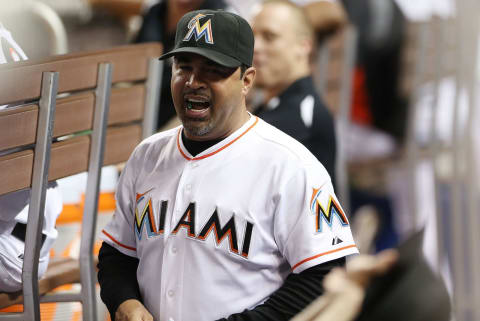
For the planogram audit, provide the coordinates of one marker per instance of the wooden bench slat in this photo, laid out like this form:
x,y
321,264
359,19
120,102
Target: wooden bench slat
x,y
67,157
120,142
77,71
18,126
73,114
126,104
16,171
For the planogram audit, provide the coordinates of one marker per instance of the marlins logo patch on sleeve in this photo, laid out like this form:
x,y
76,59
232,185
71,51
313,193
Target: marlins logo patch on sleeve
x,y
326,213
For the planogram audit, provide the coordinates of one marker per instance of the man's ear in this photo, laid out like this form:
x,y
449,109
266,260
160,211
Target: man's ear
x,y
248,79
305,48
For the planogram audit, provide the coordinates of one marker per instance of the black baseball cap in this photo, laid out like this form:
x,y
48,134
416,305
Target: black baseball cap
x,y
221,36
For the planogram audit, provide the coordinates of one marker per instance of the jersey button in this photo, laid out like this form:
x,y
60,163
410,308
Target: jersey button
x,y
171,293
174,250
188,187
195,164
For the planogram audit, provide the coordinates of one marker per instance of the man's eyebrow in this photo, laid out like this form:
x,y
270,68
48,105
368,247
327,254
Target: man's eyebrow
x,y
181,58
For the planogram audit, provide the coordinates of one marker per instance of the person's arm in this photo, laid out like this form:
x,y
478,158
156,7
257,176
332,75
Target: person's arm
x,y
293,296
123,302
116,268
326,16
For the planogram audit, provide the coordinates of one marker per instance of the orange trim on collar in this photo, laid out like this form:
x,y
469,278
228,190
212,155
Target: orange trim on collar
x,y
218,150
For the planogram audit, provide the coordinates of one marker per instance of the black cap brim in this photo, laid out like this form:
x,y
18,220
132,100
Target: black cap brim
x,y
213,55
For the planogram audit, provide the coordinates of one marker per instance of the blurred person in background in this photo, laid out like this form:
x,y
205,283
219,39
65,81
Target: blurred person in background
x,y
282,58
159,24
325,16
14,206
378,112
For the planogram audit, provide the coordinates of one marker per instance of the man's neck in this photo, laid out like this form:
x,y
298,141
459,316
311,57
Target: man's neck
x,y
195,147
281,87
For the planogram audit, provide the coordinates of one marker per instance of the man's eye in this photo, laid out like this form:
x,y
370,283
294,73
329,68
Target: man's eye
x,y
214,71
184,67
269,36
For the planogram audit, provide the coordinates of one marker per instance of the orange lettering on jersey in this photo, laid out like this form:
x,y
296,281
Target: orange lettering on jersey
x,y
228,230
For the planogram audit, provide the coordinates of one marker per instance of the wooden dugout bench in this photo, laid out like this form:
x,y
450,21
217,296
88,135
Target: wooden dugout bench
x,y
69,114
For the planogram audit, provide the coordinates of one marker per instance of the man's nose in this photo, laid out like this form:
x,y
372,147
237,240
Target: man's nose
x,y
195,81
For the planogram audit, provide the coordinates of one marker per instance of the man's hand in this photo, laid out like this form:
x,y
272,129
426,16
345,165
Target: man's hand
x,y
132,310
345,288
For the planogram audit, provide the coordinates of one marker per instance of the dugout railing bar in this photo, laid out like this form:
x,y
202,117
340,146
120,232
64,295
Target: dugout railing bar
x,y
334,65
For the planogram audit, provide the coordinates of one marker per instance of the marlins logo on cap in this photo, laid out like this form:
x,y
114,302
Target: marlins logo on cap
x,y
204,30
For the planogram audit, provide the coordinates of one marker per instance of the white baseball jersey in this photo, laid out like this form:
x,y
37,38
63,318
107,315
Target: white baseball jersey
x,y
219,232
13,210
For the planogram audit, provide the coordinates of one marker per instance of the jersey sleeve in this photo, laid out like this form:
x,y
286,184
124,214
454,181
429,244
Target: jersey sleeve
x,y
310,225
119,231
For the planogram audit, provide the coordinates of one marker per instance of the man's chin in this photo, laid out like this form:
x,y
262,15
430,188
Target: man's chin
x,y
196,128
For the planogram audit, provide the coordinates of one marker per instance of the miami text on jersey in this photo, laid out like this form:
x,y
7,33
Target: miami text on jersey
x,y
333,209
146,218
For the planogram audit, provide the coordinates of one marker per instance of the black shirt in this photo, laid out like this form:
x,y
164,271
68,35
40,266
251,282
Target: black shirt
x,y
300,112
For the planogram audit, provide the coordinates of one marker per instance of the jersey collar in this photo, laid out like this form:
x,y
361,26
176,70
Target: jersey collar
x,y
225,143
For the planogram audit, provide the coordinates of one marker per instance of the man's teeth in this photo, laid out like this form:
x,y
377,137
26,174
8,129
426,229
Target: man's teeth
x,y
196,104
196,100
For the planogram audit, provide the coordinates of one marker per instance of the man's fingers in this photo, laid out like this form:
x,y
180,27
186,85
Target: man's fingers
x,y
363,267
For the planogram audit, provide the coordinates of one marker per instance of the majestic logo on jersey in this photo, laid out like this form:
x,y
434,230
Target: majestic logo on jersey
x,y
322,214
146,218
199,31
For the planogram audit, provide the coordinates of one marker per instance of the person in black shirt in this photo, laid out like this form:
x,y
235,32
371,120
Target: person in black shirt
x,y
283,45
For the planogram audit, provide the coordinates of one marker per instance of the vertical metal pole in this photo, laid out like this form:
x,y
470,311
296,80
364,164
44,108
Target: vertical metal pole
x,y
440,36
321,66
473,215
152,97
343,117
457,206
89,222
472,191
412,154
36,209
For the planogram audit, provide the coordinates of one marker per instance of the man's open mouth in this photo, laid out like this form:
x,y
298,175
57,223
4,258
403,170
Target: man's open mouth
x,y
197,106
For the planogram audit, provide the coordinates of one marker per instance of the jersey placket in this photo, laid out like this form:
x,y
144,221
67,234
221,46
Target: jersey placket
x,y
174,253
